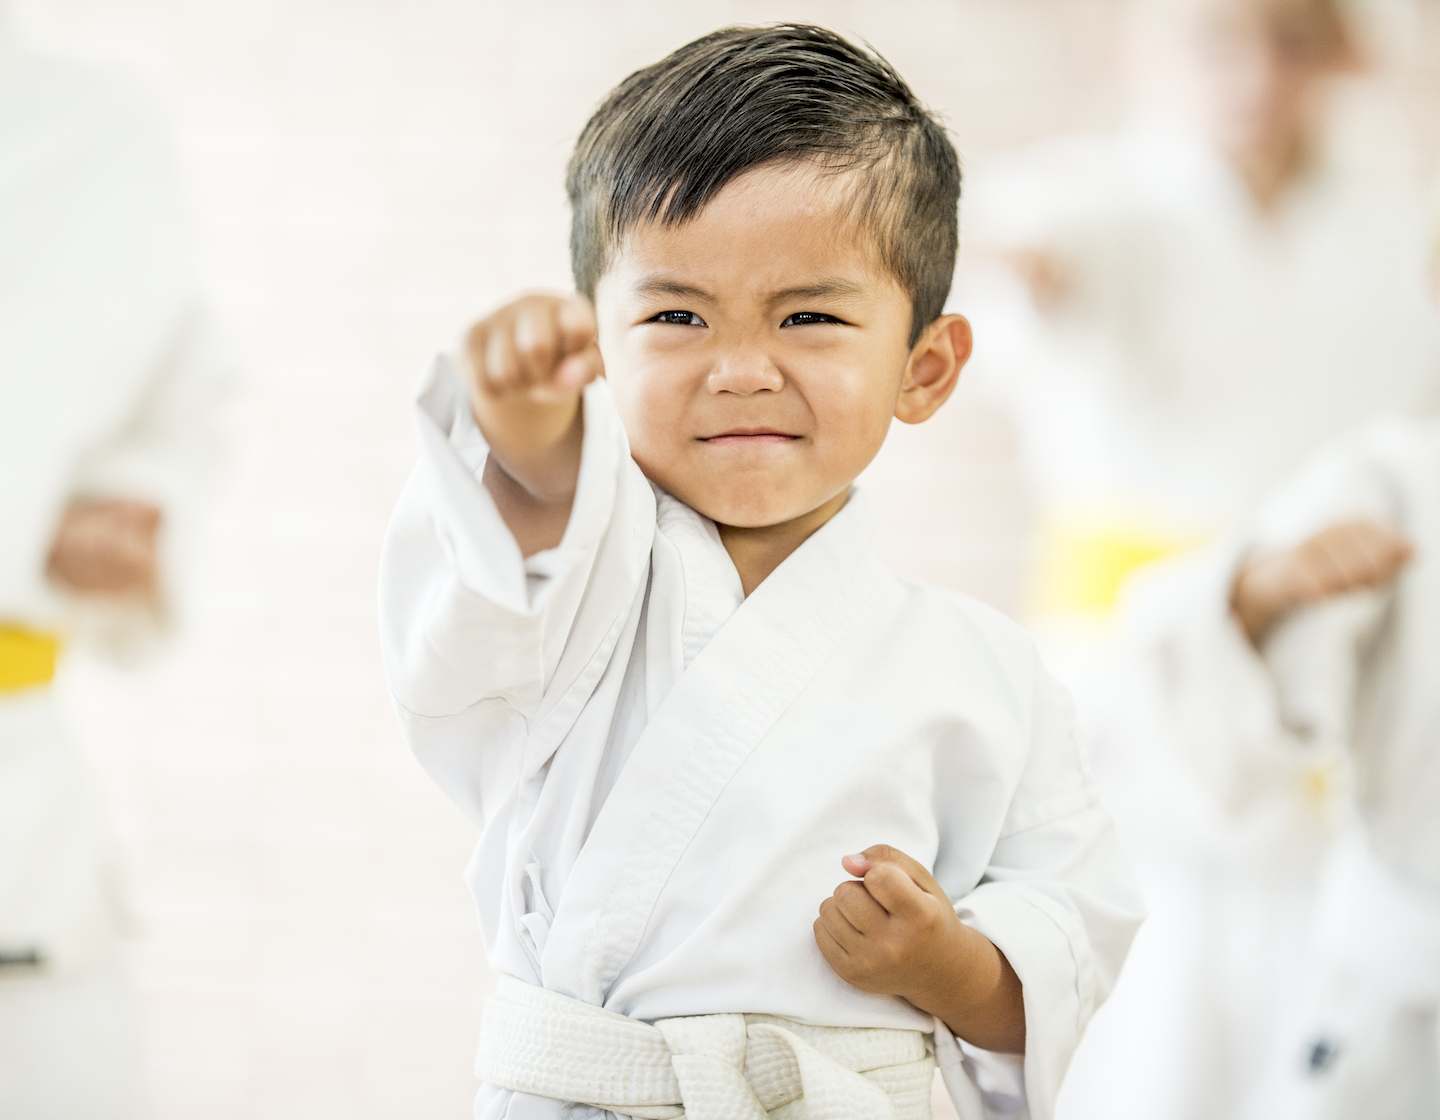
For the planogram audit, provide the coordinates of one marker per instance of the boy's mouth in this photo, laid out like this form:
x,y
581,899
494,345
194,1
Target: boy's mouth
x,y
740,437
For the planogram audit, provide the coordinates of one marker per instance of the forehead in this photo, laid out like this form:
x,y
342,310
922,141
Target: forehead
x,y
764,230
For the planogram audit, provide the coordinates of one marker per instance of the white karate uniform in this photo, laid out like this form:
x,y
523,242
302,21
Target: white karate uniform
x,y
666,773
1200,349
107,388
1345,690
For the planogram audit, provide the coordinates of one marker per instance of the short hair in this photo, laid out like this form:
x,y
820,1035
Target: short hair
x,y
671,136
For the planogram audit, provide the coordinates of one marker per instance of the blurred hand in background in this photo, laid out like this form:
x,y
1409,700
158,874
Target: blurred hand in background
x,y
107,547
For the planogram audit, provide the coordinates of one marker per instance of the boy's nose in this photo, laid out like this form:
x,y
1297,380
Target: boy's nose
x,y
748,371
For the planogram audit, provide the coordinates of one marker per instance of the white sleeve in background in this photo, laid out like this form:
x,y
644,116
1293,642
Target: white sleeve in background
x,y
1254,723
108,380
481,647
1058,899
1313,658
165,455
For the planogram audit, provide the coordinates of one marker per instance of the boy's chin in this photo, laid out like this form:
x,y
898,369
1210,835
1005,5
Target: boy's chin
x,y
751,515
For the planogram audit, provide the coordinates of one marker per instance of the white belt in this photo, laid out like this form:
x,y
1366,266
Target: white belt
x,y
706,1067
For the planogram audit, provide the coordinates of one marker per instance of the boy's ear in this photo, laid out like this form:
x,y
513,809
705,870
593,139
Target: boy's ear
x,y
934,368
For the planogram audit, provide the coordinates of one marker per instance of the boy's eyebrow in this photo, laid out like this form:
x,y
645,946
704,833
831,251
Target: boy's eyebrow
x,y
665,286
821,289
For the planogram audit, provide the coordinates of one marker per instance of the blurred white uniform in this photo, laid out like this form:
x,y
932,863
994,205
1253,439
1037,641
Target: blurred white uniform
x,y
666,772
1198,350
105,391
1347,688
1201,348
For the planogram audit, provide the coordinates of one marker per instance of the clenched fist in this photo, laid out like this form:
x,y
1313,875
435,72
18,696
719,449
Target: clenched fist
x,y
893,931
106,547
1342,558
542,348
527,364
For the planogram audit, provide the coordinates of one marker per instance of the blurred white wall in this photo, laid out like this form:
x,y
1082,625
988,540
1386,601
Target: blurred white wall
x,y
364,175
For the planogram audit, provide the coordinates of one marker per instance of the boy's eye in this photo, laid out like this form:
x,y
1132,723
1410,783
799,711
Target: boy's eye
x,y
806,318
678,319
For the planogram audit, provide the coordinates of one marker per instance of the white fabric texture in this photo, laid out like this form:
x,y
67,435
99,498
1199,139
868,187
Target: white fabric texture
x,y
1332,726
1366,1046
1193,351
1351,681
718,1067
70,1045
1200,347
666,774
108,387
109,375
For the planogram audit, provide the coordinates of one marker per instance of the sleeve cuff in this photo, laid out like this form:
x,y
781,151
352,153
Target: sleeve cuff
x,y
1044,943
480,546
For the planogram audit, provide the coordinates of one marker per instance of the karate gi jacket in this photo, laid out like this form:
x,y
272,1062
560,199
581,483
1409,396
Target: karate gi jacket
x,y
1345,689
666,772
1199,348
110,380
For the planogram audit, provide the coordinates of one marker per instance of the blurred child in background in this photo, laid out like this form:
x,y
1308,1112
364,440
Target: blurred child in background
x,y
1218,287
1214,291
106,426
1308,646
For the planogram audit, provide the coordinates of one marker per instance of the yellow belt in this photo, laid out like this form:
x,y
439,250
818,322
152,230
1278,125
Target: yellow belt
x,y
27,658
1083,562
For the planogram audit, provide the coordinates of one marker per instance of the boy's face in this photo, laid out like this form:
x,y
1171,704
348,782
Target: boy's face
x,y
1260,67
756,352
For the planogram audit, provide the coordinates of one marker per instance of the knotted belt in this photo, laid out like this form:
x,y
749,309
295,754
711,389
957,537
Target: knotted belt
x,y
705,1067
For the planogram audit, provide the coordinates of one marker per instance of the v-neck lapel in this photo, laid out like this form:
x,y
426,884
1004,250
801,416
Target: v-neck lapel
x,y
719,710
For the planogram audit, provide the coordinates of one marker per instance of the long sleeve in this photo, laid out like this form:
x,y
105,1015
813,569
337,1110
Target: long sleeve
x,y
486,652
166,454
1261,728
108,377
1059,900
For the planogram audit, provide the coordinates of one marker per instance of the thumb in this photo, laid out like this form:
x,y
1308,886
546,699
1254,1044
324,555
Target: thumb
x,y
577,326
579,369
862,863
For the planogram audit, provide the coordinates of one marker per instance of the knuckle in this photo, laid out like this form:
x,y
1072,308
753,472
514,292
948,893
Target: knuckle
x,y
533,350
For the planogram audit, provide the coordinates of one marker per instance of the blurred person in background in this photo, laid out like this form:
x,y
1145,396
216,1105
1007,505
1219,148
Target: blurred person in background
x,y
1308,644
1211,293
1317,646
107,394
1214,289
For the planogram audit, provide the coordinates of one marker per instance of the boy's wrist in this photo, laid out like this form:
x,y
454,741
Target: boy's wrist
x,y
974,991
537,444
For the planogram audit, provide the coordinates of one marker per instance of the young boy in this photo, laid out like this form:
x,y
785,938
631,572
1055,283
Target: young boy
x,y
634,627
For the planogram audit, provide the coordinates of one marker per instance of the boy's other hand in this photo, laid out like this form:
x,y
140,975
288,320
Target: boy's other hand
x,y
106,547
893,931
1340,559
528,363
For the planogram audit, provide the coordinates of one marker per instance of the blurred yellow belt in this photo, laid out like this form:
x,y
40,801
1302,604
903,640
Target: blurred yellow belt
x,y
27,658
1083,562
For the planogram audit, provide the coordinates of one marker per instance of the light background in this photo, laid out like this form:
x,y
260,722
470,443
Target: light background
x,y
363,176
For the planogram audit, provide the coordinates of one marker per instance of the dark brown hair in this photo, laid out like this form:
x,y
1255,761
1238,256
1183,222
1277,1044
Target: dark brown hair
x,y
671,136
